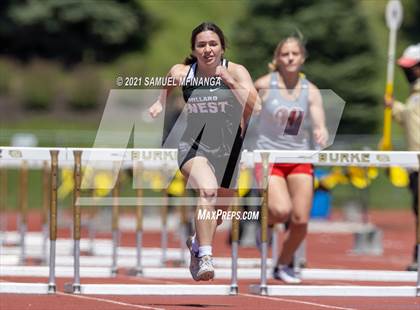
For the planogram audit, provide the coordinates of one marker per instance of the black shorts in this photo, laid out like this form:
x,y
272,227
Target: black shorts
x,y
225,166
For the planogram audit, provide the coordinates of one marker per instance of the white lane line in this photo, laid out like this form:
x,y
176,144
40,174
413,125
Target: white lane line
x,y
150,280
264,297
109,301
297,302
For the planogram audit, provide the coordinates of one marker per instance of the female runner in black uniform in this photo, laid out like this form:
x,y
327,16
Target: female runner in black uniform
x,y
209,151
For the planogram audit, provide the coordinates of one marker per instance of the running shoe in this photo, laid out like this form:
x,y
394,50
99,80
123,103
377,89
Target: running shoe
x,y
194,266
206,268
286,274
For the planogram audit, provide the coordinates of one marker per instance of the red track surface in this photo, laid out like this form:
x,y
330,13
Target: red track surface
x,y
323,251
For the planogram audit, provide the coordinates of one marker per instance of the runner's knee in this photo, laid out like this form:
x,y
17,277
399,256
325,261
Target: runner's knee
x,y
280,214
208,196
299,219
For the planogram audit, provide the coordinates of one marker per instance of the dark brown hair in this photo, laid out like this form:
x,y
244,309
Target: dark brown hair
x,y
206,26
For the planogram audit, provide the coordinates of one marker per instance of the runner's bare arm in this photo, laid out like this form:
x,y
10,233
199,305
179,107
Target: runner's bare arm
x,y
178,71
316,110
262,86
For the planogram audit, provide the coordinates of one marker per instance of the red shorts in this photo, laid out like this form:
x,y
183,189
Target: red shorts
x,y
283,170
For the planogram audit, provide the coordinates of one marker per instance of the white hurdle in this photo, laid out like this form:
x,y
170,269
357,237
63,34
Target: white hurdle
x,y
380,159
52,156
76,287
65,156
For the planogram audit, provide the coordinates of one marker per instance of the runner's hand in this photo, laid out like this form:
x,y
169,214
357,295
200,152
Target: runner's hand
x,y
389,101
155,109
224,74
321,136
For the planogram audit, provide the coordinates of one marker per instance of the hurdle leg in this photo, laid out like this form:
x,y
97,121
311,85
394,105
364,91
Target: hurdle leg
x,y
183,233
23,205
264,223
164,231
418,231
137,173
139,239
76,220
115,222
115,244
91,228
53,219
45,206
274,246
3,204
91,233
235,245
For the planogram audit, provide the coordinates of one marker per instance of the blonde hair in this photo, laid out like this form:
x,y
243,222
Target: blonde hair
x,y
272,66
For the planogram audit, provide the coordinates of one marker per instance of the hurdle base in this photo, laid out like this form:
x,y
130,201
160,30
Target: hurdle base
x,y
114,272
52,288
234,290
368,242
260,290
72,288
336,290
149,289
136,272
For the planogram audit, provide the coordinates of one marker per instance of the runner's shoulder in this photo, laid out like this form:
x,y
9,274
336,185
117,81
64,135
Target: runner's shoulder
x,y
179,70
239,72
263,82
312,86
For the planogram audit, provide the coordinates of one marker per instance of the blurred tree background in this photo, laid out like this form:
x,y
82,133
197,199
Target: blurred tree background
x,y
340,47
71,31
59,58
411,23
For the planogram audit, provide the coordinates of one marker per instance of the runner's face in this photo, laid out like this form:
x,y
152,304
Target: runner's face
x,y
290,57
208,48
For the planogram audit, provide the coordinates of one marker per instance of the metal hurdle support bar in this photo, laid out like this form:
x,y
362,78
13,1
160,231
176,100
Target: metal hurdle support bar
x,y
380,159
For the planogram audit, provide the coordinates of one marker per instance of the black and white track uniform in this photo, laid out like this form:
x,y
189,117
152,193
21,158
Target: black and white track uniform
x,y
213,128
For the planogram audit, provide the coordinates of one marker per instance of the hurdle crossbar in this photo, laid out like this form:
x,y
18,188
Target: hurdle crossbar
x,y
156,158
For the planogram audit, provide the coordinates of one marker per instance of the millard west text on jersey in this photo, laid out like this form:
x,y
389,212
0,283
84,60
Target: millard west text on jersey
x,y
204,106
